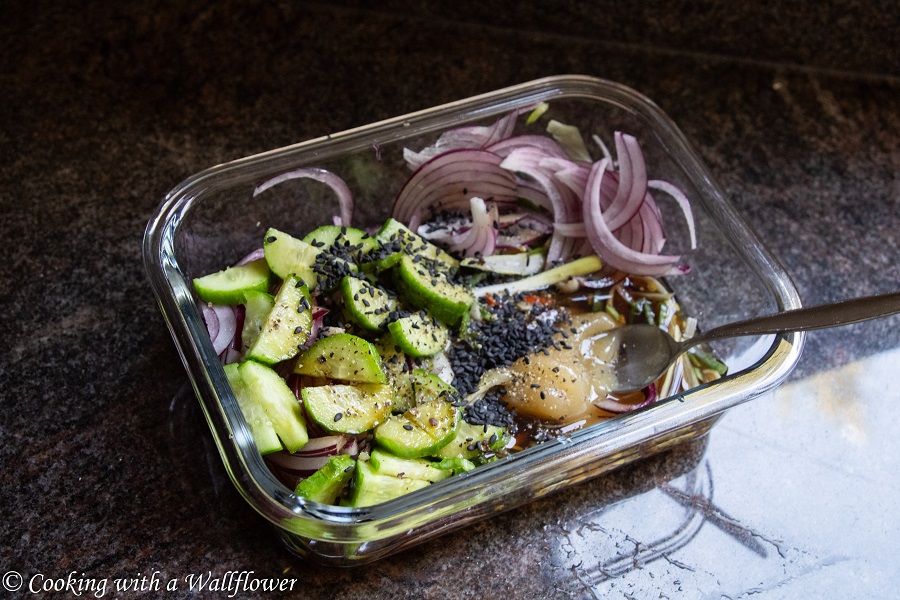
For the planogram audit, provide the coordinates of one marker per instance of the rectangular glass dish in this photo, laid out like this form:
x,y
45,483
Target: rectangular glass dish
x,y
211,220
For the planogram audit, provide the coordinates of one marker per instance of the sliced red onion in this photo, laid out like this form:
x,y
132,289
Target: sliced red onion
x,y
683,203
476,136
605,244
481,239
448,181
632,182
614,406
546,146
255,255
221,323
311,457
563,201
212,321
318,315
345,197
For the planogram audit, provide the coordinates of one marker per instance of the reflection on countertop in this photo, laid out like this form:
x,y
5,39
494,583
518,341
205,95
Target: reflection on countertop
x,y
106,106
781,501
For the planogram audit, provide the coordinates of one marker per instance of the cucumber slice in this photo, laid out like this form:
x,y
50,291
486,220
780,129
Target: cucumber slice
x,y
396,368
369,488
385,463
287,255
428,387
424,284
342,356
229,286
348,408
419,335
395,235
259,305
349,240
327,484
279,403
455,465
257,421
369,306
472,441
420,431
287,325
317,267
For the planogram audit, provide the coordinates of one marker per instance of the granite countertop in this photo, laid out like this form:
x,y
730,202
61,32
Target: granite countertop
x,y
108,469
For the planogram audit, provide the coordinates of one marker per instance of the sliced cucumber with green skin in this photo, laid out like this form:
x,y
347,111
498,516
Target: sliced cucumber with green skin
x,y
228,287
394,233
343,408
419,336
258,305
370,488
257,420
355,241
428,387
420,431
397,371
368,306
424,284
287,255
329,482
472,441
385,463
342,356
279,403
454,465
287,325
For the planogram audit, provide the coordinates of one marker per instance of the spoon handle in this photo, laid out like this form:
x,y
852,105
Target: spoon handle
x,y
813,317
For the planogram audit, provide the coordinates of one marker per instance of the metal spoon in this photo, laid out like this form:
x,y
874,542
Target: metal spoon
x,y
646,351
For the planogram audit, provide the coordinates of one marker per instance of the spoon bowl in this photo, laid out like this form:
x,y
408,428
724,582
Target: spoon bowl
x,y
644,352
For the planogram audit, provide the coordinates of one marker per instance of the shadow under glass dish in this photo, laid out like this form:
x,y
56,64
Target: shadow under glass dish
x,y
211,220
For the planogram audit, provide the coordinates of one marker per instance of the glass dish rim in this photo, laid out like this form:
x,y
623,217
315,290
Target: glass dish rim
x,y
245,466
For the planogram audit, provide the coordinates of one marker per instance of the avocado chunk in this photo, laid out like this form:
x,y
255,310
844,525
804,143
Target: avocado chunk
x,y
329,482
287,325
342,356
227,287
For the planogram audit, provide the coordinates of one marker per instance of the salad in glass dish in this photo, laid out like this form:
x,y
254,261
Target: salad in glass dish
x,y
370,363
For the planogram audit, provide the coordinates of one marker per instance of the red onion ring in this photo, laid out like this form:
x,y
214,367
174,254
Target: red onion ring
x,y
345,197
255,255
683,203
476,136
448,181
221,323
607,246
481,239
614,406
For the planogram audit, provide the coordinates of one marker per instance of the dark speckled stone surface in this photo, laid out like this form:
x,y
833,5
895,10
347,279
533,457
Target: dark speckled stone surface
x,y
107,467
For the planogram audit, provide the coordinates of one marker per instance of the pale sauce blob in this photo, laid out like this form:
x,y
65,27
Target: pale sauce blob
x,y
559,385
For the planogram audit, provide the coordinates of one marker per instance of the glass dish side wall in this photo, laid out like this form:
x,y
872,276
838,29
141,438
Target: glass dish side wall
x,y
211,220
